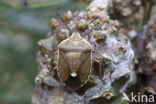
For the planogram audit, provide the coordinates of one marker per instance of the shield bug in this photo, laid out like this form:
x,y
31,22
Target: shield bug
x,y
74,61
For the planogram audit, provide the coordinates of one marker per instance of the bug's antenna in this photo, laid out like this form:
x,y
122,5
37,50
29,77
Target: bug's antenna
x,y
64,24
93,20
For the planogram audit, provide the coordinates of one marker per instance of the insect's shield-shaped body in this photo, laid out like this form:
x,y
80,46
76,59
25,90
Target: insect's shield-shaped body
x,y
74,61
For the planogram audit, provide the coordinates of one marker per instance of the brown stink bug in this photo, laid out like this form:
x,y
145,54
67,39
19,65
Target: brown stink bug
x,y
74,61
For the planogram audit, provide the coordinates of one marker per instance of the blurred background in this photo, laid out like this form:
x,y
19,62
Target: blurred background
x,y
22,24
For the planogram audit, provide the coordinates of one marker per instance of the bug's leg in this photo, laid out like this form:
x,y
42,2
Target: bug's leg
x,y
105,57
53,61
99,70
